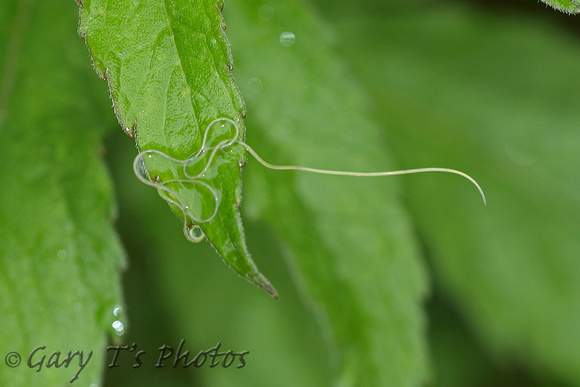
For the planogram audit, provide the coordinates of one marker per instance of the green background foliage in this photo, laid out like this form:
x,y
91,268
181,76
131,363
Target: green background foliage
x,y
393,281
59,255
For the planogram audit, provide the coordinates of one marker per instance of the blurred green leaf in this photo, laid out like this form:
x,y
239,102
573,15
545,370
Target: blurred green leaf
x,y
168,67
348,240
177,290
59,256
496,97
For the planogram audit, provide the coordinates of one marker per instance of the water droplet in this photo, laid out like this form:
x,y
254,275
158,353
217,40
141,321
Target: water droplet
x,y
194,233
266,12
117,310
255,85
287,39
119,327
62,254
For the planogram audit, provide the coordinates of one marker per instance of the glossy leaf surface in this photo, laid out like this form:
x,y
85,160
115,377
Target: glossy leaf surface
x,y
59,256
168,67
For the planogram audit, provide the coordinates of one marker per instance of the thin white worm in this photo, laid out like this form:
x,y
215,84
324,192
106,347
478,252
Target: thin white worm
x,y
191,228
362,174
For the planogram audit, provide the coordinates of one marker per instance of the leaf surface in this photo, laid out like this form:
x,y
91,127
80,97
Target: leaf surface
x,y
347,240
59,256
168,67
493,95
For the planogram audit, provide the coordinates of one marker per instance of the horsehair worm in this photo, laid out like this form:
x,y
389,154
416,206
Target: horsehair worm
x,y
191,221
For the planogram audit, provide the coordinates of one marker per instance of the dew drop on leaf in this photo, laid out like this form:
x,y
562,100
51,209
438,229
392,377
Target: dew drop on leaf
x,y
119,327
117,310
194,233
255,85
287,39
266,12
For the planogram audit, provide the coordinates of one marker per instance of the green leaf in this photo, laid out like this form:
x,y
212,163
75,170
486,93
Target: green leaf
x,y
348,240
495,96
59,256
168,67
567,6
